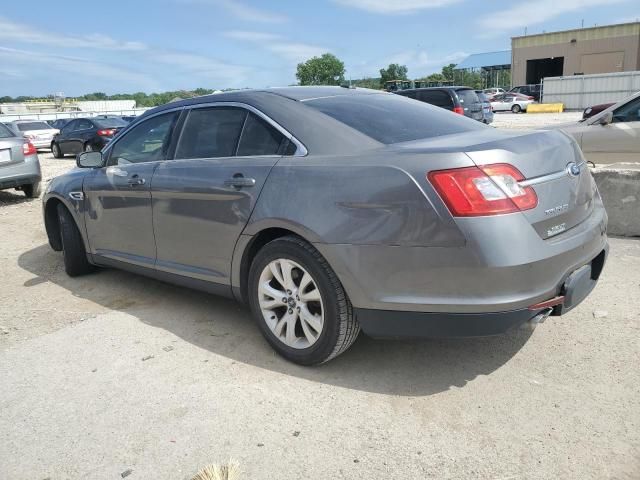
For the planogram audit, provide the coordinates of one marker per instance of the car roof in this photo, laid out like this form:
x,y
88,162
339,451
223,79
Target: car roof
x,y
454,88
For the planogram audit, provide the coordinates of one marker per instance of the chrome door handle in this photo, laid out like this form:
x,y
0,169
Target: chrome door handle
x,y
239,182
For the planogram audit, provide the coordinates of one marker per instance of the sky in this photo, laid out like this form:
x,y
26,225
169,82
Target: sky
x,y
78,47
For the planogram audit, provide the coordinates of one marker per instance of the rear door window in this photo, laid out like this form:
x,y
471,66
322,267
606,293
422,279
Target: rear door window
x,y
84,125
259,138
439,98
211,132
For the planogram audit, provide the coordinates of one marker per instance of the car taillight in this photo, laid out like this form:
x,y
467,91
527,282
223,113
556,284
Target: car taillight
x,y
28,148
485,190
458,110
106,132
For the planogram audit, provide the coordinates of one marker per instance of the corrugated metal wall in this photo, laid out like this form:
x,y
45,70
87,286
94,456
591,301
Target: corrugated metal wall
x,y
582,91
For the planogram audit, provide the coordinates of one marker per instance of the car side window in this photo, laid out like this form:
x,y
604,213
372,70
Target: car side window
x,y
211,132
146,142
83,125
69,127
258,138
628,113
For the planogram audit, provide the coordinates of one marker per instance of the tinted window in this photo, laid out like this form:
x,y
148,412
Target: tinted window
x,y
482,97
391,118
628,113
23,127
110,122
211,132
146,142
467,97
6,132
439,98
69,127
84,125
259,138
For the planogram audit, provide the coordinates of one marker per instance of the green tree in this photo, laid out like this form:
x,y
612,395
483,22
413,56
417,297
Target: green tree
x,y
393,72
447,71
324,70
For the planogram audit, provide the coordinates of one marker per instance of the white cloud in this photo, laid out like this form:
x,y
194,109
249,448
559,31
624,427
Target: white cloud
x,y
395,7
520,15
243,11
292,51
21,63
22,33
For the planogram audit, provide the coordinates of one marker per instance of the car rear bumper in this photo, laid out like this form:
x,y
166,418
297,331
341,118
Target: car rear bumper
x,y
405,324
23,173
42,143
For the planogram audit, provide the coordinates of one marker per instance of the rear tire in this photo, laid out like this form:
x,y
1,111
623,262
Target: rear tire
x,y
32,190
332,328
55,150
516,109
75,255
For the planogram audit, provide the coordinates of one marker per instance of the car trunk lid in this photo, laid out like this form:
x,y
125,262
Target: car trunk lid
x,y
553,165
11,151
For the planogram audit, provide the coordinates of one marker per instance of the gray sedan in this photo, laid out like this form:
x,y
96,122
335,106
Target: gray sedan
x,y
19,163
330,210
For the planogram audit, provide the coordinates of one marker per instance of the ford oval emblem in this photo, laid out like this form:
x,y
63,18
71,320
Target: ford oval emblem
x,y
573,169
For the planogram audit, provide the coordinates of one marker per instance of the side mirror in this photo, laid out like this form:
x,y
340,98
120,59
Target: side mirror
x,y
89,160
606,119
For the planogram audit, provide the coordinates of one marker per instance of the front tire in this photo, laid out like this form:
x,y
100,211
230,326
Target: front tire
x,y
75,255
516,109
55,150
299,303
33,190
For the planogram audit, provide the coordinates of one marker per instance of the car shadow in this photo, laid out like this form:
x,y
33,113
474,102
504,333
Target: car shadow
x,y
14,197
221,326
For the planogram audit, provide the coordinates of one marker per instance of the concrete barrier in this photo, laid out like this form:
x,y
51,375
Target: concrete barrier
x,y
619,186
545,108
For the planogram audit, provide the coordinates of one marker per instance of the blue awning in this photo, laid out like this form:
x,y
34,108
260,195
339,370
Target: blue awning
x,y
486,60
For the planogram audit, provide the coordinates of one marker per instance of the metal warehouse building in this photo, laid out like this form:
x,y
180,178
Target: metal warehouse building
x,y
606,49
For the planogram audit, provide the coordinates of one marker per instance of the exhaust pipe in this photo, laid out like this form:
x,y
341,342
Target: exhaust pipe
x,y
539,318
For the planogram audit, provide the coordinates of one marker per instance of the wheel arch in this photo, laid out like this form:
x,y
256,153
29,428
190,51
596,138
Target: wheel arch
x,y
52,224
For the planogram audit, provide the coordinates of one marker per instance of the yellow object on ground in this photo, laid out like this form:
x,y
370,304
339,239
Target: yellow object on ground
x,y
545,108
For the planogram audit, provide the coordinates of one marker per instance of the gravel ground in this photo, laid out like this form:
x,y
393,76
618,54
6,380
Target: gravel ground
x,y
533,120
114,372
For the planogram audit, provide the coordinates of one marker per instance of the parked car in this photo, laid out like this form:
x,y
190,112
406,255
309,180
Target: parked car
x,y
591,111
330,210
612,135
86,135
38,132
534,91
515,103
490,92
487,111
59,123
462,100
19,164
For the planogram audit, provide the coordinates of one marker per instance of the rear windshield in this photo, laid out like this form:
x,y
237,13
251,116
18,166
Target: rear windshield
x,y
110,122
23,127
5,132
390,118
467,97
482,97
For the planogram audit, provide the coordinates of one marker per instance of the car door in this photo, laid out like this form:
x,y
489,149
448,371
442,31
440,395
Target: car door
x,y
618,141
79,135
118,196
202,199
62,138
498,103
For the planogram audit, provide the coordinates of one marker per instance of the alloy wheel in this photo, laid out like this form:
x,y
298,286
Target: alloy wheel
x,y
291,303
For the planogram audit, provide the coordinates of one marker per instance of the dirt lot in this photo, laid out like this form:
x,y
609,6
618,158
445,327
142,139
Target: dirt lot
x,y
114,372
